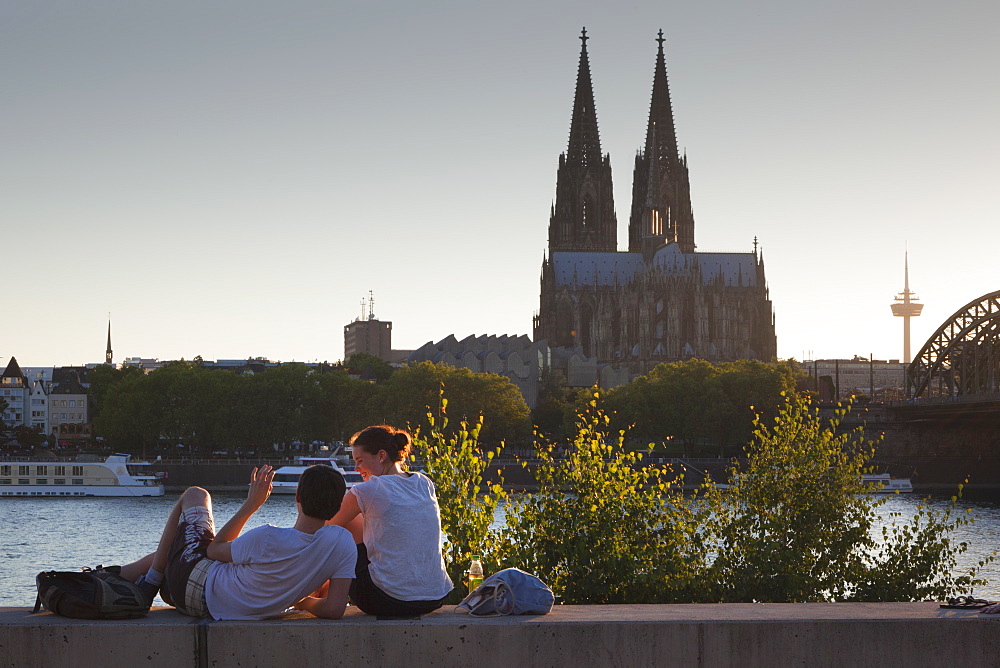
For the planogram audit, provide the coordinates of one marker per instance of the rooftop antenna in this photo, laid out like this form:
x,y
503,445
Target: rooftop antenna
x,y
906,307
362,309
371,305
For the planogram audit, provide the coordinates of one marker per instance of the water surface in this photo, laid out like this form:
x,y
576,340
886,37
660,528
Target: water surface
x,y
66,534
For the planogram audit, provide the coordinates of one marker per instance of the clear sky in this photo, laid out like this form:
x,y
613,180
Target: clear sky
x,y
230,179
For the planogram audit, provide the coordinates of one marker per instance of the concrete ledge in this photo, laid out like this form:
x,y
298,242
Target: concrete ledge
x,y
779,634
161,639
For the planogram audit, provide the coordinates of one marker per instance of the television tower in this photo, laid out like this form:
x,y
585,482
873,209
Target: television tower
x,y
906,307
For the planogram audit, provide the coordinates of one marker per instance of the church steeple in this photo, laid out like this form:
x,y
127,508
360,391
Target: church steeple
x,y
583,217
661,158
107,353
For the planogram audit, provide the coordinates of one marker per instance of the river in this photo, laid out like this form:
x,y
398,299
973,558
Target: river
x,y
66,534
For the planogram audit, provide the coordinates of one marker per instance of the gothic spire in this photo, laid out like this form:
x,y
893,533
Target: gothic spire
x,y
660,132
583,218
584,139
659,166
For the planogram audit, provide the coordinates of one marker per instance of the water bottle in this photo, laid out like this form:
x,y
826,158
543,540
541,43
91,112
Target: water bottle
x,y
475,573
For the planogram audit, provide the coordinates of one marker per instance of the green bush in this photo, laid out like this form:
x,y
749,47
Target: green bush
x,y
916,559
457,463
797,523
603,528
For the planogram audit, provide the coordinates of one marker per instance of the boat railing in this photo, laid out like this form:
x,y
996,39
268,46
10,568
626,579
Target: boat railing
x,y
214,461
40,460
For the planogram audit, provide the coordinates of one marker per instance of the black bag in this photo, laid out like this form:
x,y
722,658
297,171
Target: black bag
x,y
90,594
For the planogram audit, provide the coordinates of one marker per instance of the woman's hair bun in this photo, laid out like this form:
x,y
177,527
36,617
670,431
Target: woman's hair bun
x,y
395,442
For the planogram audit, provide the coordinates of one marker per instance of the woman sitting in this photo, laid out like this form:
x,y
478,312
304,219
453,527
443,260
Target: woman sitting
x,y
394,518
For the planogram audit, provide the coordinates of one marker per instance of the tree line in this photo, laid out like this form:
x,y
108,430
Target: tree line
x,y
691,407
210,410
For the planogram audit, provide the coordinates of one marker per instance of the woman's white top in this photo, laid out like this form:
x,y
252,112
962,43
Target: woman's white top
x,y
403,536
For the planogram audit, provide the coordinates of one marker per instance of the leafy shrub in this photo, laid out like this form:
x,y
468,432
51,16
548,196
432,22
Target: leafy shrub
x,y
457,463
602,527
797,524
916,559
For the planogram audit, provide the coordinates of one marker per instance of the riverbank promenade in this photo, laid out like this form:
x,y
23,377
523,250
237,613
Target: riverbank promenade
x,y
738,634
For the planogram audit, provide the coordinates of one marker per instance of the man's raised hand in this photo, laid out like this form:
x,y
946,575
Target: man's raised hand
x,y
260,485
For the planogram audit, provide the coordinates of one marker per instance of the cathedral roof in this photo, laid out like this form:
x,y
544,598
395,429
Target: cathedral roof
x,y
586,268
732,268
619,268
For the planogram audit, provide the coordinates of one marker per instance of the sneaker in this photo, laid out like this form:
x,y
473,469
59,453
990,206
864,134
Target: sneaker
x,y
148,589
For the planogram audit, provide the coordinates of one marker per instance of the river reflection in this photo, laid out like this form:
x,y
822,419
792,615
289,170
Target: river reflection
x,y
66,534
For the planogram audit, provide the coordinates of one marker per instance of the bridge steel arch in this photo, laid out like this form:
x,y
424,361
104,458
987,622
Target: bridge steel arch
x,y
963,354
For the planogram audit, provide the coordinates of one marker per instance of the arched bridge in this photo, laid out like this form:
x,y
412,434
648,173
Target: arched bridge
x,y
962,358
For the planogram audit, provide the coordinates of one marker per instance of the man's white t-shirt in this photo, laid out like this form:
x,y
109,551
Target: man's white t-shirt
x,y
274,567
403,536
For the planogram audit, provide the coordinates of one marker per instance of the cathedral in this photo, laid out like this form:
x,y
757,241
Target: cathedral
x,y
661,300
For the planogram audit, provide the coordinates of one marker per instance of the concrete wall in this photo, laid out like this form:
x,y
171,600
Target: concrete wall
x,y
745,635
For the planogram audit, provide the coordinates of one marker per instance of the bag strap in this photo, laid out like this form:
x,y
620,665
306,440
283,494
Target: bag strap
x,y
38,598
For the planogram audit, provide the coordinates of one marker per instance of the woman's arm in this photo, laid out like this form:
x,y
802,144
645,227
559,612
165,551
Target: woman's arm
x,y
349,516
349,509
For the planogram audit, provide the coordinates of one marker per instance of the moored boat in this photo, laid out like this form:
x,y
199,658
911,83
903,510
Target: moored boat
x,y
887,484
115,476
286,478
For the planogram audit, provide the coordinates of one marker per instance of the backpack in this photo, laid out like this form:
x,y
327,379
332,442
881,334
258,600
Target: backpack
x,y
91,594
509,592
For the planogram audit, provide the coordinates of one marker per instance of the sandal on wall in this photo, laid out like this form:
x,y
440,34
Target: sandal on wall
x,y
967,603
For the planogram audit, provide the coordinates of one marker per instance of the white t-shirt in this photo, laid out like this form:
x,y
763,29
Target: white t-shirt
x,y
403,536
274,567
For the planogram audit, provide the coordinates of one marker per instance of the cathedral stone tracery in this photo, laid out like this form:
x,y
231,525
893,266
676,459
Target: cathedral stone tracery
x,y
660,300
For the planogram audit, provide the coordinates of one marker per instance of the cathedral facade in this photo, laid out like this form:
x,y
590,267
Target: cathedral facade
x,y
661,300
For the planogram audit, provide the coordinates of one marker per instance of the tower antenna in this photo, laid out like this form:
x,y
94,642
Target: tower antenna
x,y
906,307
371,305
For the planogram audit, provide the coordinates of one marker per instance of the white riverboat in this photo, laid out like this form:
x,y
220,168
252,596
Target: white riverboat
x,y
888,484
286,478
115,476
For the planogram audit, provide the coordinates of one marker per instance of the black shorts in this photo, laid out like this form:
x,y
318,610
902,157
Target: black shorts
x,y
188,564
371,600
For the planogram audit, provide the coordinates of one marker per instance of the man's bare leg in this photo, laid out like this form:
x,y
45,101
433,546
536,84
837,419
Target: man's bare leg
x,y
192,496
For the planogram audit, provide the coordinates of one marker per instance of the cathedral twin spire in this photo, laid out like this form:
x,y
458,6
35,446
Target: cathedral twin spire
x,y
584,138
583,216
661,114
661,191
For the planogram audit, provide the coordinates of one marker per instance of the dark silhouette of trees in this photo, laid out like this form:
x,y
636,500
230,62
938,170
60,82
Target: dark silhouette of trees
x,y
218,410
